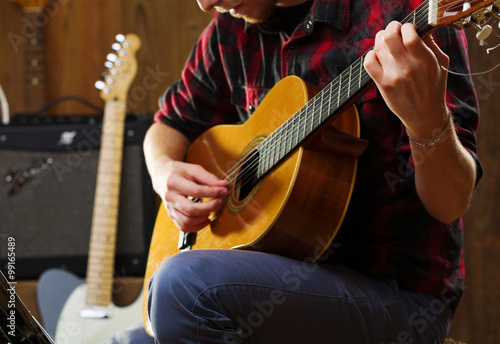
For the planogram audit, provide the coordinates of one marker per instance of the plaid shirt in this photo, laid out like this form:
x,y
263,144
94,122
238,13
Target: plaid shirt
x,y
386,229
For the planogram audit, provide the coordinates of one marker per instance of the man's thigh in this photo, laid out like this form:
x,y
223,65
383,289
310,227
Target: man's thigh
x,y
232,296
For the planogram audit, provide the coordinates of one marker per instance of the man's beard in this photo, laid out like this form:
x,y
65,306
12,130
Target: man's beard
x,y
266,13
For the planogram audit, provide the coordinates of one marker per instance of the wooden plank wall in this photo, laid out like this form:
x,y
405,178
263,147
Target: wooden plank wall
x,y
477,319
78,37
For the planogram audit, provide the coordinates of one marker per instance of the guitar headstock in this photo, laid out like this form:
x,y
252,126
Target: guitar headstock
x,y
33,6
121,69
464,14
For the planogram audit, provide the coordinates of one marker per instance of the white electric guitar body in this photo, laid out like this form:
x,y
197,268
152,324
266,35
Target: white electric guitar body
x,y
81,323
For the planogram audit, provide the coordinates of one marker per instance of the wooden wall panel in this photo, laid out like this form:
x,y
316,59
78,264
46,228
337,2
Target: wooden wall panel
x,y
78,36
11,55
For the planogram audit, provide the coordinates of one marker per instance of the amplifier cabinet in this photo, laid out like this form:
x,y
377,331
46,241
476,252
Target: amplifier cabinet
x,y
48,168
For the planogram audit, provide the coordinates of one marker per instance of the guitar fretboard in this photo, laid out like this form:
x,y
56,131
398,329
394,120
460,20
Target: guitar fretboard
x,y
105,216
330,101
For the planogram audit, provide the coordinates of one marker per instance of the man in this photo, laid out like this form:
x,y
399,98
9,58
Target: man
x,y
394,272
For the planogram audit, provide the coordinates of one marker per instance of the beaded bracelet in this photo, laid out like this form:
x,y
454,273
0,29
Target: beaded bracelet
x,y
443,131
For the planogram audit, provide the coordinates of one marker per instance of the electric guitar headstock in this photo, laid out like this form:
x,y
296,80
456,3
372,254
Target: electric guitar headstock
x,y
121,69
32,6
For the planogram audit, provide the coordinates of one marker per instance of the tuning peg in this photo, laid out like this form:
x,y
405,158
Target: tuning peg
x,y
116,46
100,85
108,64
483,32
112,57
120,38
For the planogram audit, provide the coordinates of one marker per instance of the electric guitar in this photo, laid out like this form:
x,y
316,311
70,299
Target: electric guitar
x,y
291,174
88,315
34,55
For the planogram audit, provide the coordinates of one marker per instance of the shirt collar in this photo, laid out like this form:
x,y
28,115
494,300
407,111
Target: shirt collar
x,y
333,12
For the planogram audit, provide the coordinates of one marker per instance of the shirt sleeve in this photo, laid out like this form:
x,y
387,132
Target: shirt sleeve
x,y
201,98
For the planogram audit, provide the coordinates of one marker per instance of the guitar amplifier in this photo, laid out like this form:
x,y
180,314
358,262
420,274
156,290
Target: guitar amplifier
x,y
48,171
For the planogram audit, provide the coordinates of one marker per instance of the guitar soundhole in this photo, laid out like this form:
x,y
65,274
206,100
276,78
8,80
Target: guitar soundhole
x,y
247,177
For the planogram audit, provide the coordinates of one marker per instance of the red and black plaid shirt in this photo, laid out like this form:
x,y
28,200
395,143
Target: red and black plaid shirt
x,y
386,230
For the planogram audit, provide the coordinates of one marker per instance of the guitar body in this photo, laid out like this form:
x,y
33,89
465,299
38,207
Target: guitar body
x,y
297,209
52,290
72,328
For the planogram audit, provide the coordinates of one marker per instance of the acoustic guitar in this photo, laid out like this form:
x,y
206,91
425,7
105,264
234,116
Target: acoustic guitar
x,y
89,315
291,167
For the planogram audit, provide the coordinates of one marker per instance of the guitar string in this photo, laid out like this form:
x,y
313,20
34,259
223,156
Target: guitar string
x,y
275,138
295,121
344,93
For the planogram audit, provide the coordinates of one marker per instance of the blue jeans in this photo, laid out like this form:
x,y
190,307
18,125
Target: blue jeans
x,y
233,296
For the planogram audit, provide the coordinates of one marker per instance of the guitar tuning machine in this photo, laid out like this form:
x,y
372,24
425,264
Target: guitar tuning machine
x,y
101,85
483,31
478,17
116,47
120,38
112,58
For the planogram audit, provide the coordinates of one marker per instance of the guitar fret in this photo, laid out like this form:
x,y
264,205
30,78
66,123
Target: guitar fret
x,y
269,158
329,100
294,138
275,150
361,70
98,260
339,89
282,144
261,162
318,110
266,162
349,85
285,141
306,121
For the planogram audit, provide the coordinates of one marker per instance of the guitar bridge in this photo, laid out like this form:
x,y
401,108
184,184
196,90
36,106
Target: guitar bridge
x,y
95,313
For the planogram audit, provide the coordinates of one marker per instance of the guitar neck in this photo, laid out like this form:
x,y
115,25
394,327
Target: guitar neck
x,y
105,216
332,100
35,95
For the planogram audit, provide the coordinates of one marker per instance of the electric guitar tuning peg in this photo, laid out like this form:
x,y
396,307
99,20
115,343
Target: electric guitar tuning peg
x,y
116,46
120,38
100,85
112,57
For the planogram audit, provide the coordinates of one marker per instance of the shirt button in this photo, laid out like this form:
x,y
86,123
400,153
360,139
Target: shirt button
x,y
309,26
